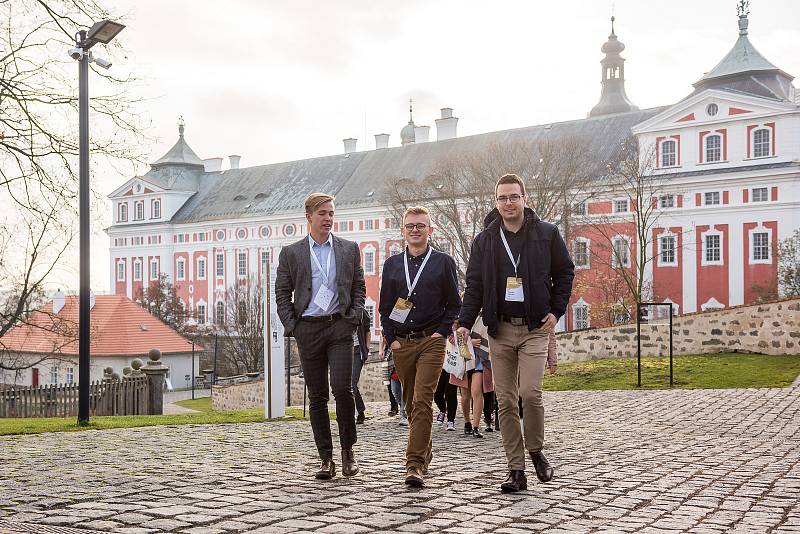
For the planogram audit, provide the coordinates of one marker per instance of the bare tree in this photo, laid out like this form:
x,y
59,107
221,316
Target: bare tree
x,y
459,190
789,265
243,326
160,299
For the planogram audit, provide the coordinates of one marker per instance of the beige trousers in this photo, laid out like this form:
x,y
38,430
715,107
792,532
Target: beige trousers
x,y
518,362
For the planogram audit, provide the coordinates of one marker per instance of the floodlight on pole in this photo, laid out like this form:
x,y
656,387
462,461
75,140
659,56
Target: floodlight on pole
x,y
101,32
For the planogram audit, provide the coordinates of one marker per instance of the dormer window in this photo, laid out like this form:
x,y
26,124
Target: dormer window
x,y
122,216
713,148
669,153
138,213
155,209
761,143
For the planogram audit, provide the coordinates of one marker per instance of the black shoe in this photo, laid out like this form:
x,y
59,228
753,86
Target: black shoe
x,y
516,481
467,429
327,470
392,412
360,419
476,433
489,427
544,472
349,464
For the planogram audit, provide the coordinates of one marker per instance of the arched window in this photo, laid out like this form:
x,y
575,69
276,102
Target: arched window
x,y
713,148
669,153
123,212
220,315
761,143
156,209
580,315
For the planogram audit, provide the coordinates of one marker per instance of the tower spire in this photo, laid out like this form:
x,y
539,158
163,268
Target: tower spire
x,y
612,97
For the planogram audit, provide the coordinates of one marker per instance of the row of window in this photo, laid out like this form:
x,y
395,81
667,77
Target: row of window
x,y
713,147
138,210
55,375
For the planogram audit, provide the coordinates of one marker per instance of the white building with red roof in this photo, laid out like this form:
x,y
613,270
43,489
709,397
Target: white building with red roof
x,y
121,331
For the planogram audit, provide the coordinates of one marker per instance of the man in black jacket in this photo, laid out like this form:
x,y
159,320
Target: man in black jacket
x,y
520,274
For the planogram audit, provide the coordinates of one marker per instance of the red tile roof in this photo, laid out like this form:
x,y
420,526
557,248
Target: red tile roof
x,y
119,327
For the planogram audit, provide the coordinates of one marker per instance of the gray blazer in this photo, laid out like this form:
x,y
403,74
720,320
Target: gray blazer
x,y
293,281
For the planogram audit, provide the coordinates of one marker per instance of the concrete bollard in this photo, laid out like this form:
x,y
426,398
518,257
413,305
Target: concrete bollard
x,y
156,373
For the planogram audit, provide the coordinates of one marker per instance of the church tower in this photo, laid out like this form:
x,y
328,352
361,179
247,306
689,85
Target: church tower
x,y
612,98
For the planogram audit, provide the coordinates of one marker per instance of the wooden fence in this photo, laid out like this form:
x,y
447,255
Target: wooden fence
x,y
106,397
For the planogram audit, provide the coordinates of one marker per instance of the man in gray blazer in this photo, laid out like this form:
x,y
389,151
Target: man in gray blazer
x,y
319,292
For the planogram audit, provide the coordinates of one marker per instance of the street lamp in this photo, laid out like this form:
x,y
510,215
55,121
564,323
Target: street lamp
x,y
192,342
100,32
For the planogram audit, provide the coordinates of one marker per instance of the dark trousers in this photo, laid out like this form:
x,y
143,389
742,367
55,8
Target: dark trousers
x,y
489,403
328,346
358,364
446,396
393,403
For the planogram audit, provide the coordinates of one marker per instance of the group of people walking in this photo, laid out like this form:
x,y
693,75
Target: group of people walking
x,y
518,282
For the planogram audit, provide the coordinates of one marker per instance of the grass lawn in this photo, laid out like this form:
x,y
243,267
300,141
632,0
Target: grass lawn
x,y
726,370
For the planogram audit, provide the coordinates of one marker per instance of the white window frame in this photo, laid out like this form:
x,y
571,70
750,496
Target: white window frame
x,y
120,271
704,258
580,305
122,212
202,312
369,224
138,210
666,201
371,265
664,154
241,263
239,231
768,142
154,269
219,265
753,194
201,268
180,269
614,259
586,242
706,197
579,208
70,378
137,270
54,372
219,315
614,205
708,150
264,256
155,209
661,239
752,252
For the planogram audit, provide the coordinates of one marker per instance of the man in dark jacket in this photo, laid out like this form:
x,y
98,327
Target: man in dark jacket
x,y
520,274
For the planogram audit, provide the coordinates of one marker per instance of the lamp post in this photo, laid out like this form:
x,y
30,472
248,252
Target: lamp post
x,y
100,32
192,342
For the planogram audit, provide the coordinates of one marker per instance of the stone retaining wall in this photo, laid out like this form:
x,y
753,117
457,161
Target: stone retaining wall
x,y
772,328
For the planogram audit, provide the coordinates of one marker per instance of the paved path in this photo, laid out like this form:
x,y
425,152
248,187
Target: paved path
x,y
654,461
171,397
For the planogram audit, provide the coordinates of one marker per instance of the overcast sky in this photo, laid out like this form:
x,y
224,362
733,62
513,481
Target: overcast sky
x,y
279,80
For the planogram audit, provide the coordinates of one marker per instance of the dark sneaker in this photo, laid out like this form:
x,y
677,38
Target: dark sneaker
x,y
360,419
467,429
476,433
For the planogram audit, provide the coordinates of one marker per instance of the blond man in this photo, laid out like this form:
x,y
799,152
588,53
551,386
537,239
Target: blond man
x,y
319,292
419,302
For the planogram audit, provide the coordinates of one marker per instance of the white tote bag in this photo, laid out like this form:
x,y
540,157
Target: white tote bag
x,y
453,362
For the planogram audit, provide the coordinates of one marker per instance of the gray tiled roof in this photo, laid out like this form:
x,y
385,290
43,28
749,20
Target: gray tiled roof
x,y
281,187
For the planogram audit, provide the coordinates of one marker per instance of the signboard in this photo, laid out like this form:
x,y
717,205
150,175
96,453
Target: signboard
x,y
274,372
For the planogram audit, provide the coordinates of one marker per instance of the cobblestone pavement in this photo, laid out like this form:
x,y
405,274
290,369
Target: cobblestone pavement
x,y
652,461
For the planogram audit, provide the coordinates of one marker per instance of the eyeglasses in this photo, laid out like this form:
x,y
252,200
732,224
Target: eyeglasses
x,y
510,198
418,226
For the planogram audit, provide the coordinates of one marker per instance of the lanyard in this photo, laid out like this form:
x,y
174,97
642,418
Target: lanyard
x,y
316,261
508,251
409,284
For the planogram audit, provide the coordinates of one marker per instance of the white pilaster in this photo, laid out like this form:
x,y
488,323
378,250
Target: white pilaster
x,y
736,263
689,269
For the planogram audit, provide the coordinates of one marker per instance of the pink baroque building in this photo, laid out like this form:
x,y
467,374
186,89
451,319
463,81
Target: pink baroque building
x,y
729,155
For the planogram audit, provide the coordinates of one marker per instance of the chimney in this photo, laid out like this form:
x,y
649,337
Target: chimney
x,y
446,126
421,134
212,164
234,159
349,145
381,141
58,302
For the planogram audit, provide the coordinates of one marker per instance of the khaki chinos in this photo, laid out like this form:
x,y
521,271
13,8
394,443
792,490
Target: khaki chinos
x,y
419,364
518,363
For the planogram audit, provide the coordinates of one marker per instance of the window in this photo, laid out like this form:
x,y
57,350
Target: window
x,y
666,254
579,208
220,317
713,252
54,375
712,198
369,262
712,109
201,268
155,210
371,312
180,238
220,235
181,269
264,232
713,148
241,233
580,251
761,143
580,316
620,254
138,210
668,153
760,246
153,270
288,230
666,201
242,313
201,236
395,249
621,206
138,240
137,271
220,264
120,271
70,375
242,257
760,194
123,212
368,224
621,315
201,313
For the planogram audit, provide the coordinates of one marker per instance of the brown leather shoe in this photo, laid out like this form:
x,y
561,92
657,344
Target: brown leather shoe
x,y
414,477
516,481
349,464
327,470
